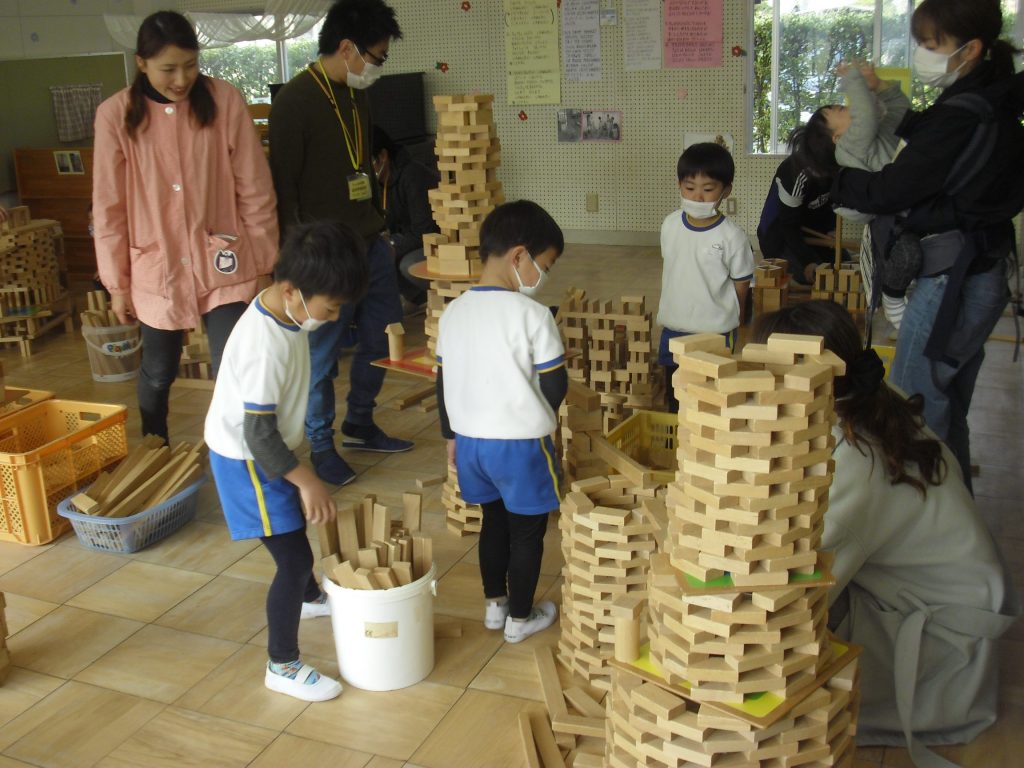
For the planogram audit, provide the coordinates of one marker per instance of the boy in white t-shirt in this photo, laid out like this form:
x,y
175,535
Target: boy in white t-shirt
x,y
500,380
256,421
708,262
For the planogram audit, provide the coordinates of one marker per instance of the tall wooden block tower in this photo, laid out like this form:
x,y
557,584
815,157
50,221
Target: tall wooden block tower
x,y
741,669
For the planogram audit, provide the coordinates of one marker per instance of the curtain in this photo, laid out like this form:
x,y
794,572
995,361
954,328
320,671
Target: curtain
x,y
74,110
280,20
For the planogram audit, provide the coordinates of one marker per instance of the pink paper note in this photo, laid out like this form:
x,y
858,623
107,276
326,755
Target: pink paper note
x,y
692,34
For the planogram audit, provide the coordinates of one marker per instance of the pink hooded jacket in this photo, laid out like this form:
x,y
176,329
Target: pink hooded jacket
x,y
185,217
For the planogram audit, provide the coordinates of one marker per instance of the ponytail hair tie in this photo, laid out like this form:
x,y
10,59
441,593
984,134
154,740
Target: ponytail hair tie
x,y
863,375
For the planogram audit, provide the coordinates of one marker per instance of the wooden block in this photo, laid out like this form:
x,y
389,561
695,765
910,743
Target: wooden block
x,y
422,556
85,504
381,523
582,702
345,575
348,533
367,558
366,531
426,482
551,686
383,577
328,535
526,737
580,726
329,563
797,343
403,572
550,756
363,579
413,503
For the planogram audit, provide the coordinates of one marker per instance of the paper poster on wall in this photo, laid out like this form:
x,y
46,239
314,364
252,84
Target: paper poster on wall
x,y
69,163
531,52
570,125
581,39
641,35
692,33
702,137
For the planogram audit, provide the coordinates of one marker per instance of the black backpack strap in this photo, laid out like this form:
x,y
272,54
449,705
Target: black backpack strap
x,y
978,151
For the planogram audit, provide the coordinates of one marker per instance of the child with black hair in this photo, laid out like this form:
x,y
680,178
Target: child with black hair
x,y
255,424
500,380
799,200
707,258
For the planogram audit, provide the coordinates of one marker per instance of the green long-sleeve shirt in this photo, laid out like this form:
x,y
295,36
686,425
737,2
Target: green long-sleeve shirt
x,y
309,158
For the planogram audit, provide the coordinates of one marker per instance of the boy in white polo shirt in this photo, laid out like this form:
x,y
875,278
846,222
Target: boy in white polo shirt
x,y
707,258
500,380
256,421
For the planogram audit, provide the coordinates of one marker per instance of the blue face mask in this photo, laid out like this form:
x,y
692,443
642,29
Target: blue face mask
x,y
530,290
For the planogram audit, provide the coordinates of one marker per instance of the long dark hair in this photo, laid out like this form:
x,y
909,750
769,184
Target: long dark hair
x,y
963,21
891,423
158,30
813,148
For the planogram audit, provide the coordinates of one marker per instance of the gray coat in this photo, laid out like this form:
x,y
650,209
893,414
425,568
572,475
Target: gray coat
x,y
870,142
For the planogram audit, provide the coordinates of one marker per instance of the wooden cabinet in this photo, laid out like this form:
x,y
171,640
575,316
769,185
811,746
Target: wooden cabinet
x,y
64,197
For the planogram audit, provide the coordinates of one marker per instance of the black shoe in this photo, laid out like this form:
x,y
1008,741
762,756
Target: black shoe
x,y
372,439
331,468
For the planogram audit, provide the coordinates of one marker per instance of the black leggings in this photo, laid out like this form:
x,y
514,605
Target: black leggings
x,y
511,547
293,585
161,355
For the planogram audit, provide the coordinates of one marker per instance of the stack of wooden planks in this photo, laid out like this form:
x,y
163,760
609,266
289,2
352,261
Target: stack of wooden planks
x,y
148,476
99,314
365,548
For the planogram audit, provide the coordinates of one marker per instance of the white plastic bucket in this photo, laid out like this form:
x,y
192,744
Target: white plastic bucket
x,y
115,352
384,637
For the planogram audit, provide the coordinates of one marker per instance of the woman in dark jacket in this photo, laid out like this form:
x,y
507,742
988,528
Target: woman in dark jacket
x,y
956,185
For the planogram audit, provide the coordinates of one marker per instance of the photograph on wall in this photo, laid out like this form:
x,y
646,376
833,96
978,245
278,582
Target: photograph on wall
x,y
77,166
63,163
602,126
570,125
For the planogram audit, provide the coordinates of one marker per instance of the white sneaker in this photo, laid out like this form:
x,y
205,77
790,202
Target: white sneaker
x,y
324,689
495,614
541,617
312,610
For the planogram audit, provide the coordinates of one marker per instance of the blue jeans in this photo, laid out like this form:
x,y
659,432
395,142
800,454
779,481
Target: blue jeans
x,y
379,308
947,388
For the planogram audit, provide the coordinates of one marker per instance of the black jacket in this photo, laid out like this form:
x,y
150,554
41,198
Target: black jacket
x,y
935,138
407,213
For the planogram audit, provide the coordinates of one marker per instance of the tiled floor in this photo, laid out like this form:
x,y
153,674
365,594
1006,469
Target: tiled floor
x,y
156,659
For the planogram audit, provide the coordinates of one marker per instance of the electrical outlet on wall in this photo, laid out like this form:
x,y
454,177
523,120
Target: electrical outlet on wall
x,y
592,202
730,206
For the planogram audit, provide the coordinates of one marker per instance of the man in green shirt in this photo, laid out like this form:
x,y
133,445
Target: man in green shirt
x,y
320,145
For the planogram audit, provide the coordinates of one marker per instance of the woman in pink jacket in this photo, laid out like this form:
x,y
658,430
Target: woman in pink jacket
x,y
184,206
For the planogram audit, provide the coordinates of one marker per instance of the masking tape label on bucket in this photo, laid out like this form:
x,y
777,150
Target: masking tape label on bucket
x,y
379,631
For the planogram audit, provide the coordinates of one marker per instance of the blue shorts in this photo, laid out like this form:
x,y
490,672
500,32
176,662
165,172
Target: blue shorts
x,y
519,472
253,506
667,334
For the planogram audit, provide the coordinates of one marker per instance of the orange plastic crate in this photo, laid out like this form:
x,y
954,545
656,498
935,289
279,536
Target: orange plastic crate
x,y
48,452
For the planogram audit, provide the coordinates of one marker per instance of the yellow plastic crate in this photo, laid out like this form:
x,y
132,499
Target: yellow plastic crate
x,y
22,398
649,438
49,451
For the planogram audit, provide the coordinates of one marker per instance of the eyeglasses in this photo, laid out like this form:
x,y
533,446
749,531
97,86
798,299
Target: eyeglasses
x,y
377,60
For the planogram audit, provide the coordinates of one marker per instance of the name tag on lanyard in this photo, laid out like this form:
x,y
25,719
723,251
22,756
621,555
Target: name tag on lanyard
x,y
359,188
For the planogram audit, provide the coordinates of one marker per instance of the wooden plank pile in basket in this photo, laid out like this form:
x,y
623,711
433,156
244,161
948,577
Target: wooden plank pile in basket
x,y
99,314
146,478
365,548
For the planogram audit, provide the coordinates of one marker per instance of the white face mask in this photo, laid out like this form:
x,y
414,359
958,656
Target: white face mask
x,y
930,67
698,209
370,75
310,323
530,290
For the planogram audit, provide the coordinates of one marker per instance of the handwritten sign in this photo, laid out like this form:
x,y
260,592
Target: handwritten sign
x,y
581,39
641,35
692,33
531,52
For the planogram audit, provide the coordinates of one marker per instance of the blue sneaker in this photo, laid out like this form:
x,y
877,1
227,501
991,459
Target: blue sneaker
x,y
375,441
331,468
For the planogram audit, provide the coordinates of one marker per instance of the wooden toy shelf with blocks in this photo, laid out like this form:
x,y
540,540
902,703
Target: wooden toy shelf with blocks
x,y
33,299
